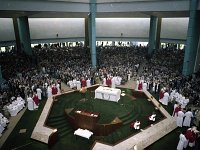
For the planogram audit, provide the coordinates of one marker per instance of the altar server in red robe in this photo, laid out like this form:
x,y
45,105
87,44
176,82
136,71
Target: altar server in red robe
x,y
140,85
83,82
54,89
35,99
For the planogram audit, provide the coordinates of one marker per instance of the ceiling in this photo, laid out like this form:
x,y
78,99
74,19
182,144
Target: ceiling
x,y
101,1
54,14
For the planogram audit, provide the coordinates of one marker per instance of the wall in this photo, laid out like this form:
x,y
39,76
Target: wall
x,y
74,28
44,28
6,29
174,28
130,27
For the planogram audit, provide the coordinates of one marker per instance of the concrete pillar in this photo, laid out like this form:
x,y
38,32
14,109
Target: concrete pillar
x,y
192,40
92,31
22,34
152,34
113,43
1,77
197,60
158,44
86,32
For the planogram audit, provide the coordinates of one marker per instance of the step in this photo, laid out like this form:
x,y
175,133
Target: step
x,y
131,119
56,117
65,131
57,123
63,125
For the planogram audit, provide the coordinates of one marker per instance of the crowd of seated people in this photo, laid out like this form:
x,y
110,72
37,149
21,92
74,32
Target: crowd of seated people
x,y
72,65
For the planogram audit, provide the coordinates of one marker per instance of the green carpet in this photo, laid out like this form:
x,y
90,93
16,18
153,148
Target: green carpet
x,y
127,109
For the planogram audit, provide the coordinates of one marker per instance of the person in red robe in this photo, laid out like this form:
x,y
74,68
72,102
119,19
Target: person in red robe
x,y
83,83
54,90
140,86
108,81
35,99
191,136
161,94
177,109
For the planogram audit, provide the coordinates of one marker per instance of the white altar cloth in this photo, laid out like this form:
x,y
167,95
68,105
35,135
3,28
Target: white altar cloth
x,y
109,94
83,133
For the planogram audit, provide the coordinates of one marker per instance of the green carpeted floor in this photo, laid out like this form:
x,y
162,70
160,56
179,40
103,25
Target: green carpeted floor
x,y
127,109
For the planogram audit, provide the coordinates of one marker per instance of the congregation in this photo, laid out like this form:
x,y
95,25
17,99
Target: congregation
x,y
32,79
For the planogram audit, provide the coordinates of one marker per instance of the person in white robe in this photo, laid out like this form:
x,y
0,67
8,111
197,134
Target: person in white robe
x,y
144,86
30,103
58,88
78,84
88,83
172,94
129,76
1,130
74,84
137,84
49,91
19,98
152,117
113,84
179,119
188,117
70,83
185,102
3,121
137,125
165,99
39,93
182,141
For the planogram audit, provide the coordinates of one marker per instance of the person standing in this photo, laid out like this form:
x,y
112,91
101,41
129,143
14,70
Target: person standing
x,y
188,117
179,119
182,141
39,93
36,101
165,99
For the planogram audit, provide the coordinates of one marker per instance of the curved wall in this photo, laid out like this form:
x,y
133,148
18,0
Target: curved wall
x,y
130,27
48,28
6,29
174,28
106,29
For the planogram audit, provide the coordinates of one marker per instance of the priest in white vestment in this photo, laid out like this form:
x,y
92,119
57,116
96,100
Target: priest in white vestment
x,y
179,119
78,84
144,86
113,85
30,103
49,91
39,93
188,117
88,83
182,141
165,99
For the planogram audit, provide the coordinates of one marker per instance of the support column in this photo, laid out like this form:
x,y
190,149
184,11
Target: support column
x,y
1,77
113,43
86,32
152,34
197,61
158,44
22,34
192,40
92,31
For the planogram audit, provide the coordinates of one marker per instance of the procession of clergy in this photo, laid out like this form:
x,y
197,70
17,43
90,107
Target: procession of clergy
x,y
183,117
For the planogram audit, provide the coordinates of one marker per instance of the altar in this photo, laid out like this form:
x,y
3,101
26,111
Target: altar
x,y
109,94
